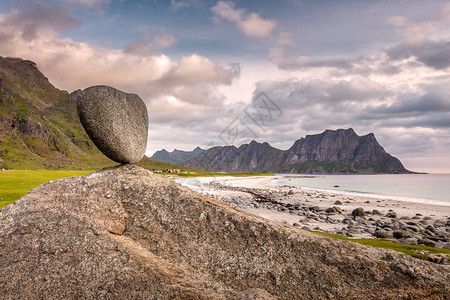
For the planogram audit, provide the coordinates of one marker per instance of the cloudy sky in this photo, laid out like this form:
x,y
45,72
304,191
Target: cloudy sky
x,y
201,66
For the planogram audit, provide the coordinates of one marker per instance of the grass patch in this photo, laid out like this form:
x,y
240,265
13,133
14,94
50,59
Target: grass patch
x,y
15,184
212,174
418,251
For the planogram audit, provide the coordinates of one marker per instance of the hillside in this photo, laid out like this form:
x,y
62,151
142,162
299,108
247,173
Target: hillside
x,y
333,151
125,233
39,125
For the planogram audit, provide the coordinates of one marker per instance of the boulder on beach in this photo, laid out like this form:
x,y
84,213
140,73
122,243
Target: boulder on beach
x,y
392,214
399,234
126,233
358,212
380,233
116,122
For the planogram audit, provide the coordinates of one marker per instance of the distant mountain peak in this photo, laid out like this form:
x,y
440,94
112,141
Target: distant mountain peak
x,y
198,150
332,151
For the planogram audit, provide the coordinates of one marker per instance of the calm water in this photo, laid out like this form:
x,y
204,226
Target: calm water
x,y
432,188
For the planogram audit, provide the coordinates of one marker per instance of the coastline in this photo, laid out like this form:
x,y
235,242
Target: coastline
x,y
406,222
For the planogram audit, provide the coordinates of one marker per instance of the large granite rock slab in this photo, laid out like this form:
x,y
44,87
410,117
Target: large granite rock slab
x,y
117,122
125,233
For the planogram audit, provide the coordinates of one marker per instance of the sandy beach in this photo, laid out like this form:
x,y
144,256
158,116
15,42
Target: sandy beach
x,y
404,221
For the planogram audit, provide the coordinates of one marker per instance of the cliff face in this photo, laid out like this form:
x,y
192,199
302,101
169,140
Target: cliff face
x,y
125,233
333,151
336,151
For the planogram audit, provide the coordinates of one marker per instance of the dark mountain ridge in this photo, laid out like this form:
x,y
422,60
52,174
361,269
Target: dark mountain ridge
x,y
176,156
333,151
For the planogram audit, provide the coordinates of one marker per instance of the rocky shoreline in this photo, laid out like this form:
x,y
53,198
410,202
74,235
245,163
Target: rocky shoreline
x,y
333,213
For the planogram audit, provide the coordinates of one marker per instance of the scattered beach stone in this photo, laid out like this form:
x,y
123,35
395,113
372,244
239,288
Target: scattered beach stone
x,y
315,208
291,192
337,202
369,230
413,228
358,212
116,122
398,234
405,218
410,241
430,228
430,233
366,222
442,232
338,209
376,212
347,221
428,218
439,223
353,231
380,233
427,242
437,258
391,214
331,210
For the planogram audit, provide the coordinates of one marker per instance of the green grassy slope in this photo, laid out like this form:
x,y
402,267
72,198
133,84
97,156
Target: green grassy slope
x,y
39,126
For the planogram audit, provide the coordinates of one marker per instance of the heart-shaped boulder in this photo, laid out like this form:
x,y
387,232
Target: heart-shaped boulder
x,y
116,122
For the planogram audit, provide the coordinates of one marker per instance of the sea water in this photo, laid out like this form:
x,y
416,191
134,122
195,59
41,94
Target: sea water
x,y
423,188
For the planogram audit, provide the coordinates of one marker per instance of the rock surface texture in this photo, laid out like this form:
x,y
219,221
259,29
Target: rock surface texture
x,y
125,233
116,122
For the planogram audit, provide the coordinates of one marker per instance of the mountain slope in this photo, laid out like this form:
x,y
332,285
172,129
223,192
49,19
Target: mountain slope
x,y
253,157
39,126
125,233
333,151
